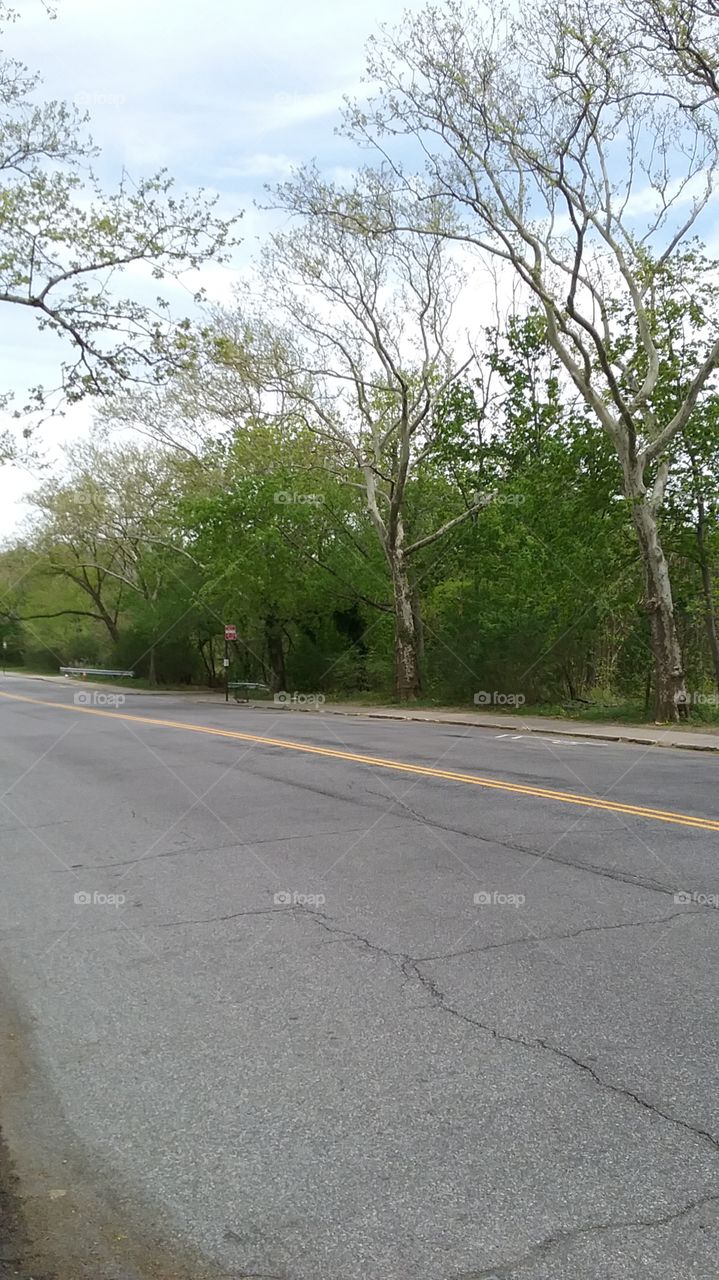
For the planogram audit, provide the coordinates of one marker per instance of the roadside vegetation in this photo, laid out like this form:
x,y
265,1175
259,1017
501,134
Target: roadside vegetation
x,y
458,436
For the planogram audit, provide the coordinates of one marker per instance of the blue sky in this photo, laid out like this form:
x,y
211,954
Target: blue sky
x,y
225,95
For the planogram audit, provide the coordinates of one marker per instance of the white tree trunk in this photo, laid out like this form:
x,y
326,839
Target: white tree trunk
x,y
407,676
670,693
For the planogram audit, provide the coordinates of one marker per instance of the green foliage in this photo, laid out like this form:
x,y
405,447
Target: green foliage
x,y
141,554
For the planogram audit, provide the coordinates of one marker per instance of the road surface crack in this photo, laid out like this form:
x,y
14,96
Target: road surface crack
x,y
557,937
233,915
564,1239
606,873
214,848
442,1002
410,967
397,957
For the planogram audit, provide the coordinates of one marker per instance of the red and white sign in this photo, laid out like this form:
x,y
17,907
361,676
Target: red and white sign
x,y
230,631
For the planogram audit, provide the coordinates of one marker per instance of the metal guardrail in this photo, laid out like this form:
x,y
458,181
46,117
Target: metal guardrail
x,y
97,671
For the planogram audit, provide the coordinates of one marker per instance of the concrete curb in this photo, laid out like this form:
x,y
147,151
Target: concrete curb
x,y
72,682
630,738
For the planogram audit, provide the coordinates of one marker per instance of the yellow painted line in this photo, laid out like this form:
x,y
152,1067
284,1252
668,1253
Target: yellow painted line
x,y
377,762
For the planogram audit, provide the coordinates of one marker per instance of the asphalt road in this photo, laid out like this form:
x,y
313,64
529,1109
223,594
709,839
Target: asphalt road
x,y
433,1018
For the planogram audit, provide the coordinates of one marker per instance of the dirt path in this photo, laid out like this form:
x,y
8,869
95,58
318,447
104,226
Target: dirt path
x,y
13,1236
61,1217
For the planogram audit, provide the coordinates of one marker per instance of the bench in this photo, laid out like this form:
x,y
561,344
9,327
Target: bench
x,y
235,685
97,671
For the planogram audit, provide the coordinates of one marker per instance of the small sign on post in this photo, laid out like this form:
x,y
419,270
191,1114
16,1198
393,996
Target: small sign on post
x,y
230,631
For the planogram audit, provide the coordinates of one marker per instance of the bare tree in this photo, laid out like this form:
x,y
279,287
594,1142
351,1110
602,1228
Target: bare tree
x,y
351,340
680,38
569,157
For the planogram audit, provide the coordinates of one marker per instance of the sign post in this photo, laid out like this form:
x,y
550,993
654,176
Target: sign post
x,y
230,634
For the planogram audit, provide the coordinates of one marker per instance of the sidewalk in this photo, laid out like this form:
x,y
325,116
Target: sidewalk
x,y
512,724
645,735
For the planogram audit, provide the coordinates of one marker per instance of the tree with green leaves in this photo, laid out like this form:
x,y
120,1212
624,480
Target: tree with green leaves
x,y
288,552
109,527
562,153
64,243
537,597
352,339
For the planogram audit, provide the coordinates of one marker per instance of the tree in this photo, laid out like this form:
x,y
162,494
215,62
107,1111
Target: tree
x,y
266,509
692,513
700,456
357,348
63,242
46,614
66,544
110,527
681,39
561,155
276,560
537,597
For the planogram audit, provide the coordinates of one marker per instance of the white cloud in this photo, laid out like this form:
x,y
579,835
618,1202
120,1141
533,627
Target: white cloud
x,y
227,96
18,480
262,164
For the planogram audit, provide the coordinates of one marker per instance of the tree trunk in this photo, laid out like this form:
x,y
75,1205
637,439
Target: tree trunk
x,y
107,617
151,673
110,624
670,693
203,657
710,617
96,598
275,654
406,647
648,690
418,623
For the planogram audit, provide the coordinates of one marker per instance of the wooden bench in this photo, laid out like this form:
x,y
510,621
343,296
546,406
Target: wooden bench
x,y
236,685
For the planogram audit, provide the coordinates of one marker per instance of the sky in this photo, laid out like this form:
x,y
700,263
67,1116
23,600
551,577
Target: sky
x,y
225,95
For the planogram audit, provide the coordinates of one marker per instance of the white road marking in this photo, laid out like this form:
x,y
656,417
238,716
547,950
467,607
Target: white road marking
x,y
558,742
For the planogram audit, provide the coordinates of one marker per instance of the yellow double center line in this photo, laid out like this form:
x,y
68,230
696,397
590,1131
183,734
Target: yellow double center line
x,y
400,766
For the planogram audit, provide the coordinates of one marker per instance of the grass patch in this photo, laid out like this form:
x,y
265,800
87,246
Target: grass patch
x,y
628,712
701,716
